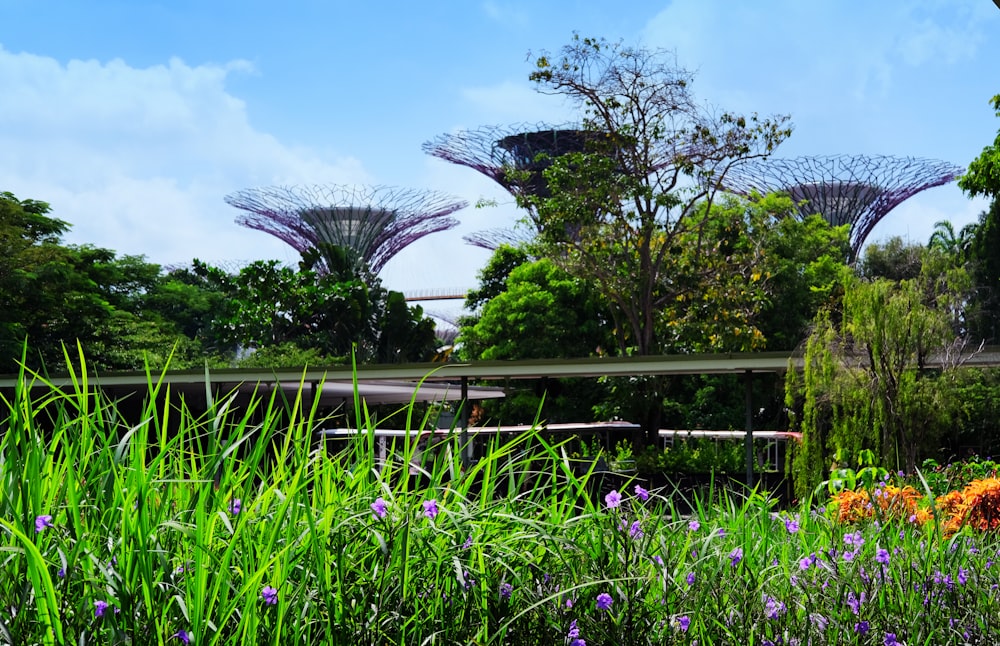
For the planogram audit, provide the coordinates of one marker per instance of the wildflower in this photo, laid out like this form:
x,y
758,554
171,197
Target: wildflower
x,y
235,507
431,508
569,603
183,636
641,493
604,601
963,576
736,556
468,543
774,608
380,508
854,540
694,526
890,640
574,632
819,621
862,627
635,531
505,590
882,556
100,607
613,499
578,642
791,525
269,595
684,622
720,532
807,562
855,602
61,573
689,578
41,522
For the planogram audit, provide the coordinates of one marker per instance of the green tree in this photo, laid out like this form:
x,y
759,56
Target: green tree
x,y
53,295
630,212
804,260
542,312
866,383
982,177
270,305
984,264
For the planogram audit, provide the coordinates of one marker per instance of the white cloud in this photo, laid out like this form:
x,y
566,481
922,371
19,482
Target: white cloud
x,y
138,160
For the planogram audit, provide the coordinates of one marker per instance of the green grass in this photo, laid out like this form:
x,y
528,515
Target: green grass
x,y
145,519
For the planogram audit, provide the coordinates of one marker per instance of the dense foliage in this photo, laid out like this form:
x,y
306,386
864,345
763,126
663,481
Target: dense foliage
x,y
128,313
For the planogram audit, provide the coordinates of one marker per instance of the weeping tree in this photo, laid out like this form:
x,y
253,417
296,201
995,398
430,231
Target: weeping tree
x,y
879,374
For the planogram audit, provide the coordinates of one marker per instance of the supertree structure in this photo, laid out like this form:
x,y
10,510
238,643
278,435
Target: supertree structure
x,y
858,190
373,222
500,151
492,239
514,157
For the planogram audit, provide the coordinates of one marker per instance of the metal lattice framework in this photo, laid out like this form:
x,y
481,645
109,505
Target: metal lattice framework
x,y
492,239
858,190
376,222
496,150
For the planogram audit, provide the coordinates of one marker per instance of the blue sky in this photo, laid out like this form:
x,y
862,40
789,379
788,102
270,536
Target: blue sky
x,y
134,119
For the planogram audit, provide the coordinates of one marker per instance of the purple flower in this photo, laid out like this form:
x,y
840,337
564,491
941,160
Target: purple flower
x,y
431,508
269,595
380,508
468,543
574,632
41,522
773,608
882,556
807,562
613,499
635,531
963,576
505,590
689,578
890,640
578,642
854,603
235,507
791,525
736,556
604,601
61,573
658,559
862,627
694,526
183,636
684,621
641,493
100,607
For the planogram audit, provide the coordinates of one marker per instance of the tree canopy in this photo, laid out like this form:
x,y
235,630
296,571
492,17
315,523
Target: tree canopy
x,y
632,210
983,175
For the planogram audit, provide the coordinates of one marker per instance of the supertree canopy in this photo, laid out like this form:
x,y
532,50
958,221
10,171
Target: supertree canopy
x,y
373,223
845,189
492,239
496,151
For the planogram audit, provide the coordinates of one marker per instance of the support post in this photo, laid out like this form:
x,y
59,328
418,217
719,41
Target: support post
x,y
748,379
465,447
